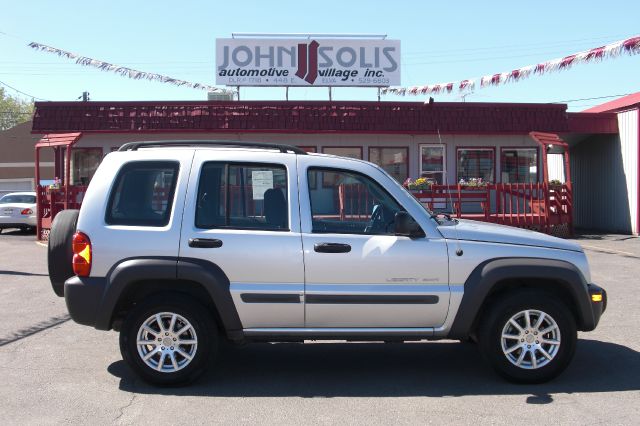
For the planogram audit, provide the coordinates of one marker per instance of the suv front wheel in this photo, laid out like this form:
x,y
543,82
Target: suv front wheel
x,y
168,339
528,337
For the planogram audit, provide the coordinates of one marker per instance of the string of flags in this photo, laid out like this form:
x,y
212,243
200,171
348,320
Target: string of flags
x,y
630,46
124,71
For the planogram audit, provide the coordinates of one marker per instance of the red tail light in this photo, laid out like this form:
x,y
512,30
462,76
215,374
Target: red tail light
x,y
81,254
26,211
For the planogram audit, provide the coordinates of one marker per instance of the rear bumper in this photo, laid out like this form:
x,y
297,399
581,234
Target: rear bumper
x,y
16,222
83,296
597,307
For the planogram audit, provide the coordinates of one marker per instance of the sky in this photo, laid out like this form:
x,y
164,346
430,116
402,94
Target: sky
x,y
440,41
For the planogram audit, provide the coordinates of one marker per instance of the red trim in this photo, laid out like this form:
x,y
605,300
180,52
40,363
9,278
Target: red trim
x,y
515,148
405,147
484,148
546,139
302,132
303,103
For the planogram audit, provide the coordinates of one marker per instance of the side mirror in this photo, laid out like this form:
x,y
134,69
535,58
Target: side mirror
x,y
407,227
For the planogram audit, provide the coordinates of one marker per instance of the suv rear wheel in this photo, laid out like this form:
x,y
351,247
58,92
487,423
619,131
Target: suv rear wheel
x,y
528,337
168,339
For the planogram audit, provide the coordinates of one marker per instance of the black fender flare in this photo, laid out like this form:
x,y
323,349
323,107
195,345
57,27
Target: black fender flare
x,y
207,274
485,276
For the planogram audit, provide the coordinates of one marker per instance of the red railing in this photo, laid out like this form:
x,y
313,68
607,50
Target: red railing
x,y
547,208
53,201
540,206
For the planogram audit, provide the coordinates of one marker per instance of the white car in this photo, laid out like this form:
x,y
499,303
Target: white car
x,y
18,210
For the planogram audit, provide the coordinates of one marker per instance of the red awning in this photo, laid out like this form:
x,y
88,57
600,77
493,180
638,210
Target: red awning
x,y
58,139
550,142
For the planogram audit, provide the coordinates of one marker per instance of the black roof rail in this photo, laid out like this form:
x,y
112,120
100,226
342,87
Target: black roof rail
x,y
134,146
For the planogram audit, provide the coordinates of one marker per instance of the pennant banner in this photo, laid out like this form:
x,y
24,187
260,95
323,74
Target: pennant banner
x,y
124,71
630,46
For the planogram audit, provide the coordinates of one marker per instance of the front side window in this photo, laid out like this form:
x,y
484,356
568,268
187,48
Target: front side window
x,y
432,163
519,165
242,196
143,194
343,151
474,163
352,204
394,161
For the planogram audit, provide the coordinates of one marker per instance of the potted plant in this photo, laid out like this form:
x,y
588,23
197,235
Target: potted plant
x,y
420,184
473,183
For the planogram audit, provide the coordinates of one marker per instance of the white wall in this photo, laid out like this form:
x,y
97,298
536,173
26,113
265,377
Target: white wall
x,y
628,127
556,167
15,185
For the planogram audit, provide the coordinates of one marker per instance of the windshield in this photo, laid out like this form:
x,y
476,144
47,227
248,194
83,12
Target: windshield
x,y
431,213
18,199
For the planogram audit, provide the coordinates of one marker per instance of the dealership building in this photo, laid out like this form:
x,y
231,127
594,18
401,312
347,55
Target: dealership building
x,y
446,142
536,166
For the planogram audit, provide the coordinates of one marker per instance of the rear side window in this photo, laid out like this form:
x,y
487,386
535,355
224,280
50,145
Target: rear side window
x,y
243,196
143,194
20,199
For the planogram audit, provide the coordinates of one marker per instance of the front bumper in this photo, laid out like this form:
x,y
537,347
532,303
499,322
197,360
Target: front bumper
x,y
84,297
597,306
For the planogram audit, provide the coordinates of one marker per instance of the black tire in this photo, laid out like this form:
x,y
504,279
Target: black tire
x,y
191,310
490,337
60,250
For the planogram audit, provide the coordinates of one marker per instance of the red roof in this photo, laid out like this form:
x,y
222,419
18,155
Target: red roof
x,y
314,117
631,101
58,139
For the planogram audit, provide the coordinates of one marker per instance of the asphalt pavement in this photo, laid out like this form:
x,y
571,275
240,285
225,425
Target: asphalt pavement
x,y
55,371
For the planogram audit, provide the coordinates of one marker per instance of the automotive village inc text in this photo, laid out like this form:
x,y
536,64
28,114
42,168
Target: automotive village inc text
x,y
307,62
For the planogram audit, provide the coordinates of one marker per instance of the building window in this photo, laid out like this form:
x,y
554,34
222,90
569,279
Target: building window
x,y
432,163
519,165
394,161
85,162
476,163
343,151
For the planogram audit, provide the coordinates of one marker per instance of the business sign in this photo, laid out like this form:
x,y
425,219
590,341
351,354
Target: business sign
x,y
296,62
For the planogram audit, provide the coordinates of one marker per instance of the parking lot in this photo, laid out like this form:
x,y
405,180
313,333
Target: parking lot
x,y
55,371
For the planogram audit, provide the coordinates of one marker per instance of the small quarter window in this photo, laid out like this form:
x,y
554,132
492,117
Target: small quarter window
x,y
143,194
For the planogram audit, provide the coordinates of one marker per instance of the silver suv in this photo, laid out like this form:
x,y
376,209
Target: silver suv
x,y
180,244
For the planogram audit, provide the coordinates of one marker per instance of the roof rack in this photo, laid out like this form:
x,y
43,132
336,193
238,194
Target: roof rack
x,y
134,146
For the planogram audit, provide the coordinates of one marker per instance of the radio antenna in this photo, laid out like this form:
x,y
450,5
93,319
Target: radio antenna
x,y
459,251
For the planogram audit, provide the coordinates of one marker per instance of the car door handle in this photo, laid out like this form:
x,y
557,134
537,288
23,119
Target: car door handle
x,y
205,243
332,248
